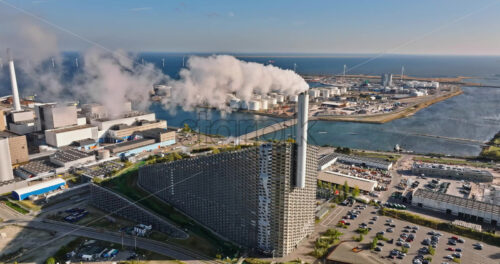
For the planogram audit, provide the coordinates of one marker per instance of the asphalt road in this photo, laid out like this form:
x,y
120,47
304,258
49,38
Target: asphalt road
x,y
489,254
63,229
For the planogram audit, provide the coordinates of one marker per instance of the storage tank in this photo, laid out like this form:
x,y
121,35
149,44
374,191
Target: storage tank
x,y
272,101
103,154
281,98
254,105
263,104
293,98
235,103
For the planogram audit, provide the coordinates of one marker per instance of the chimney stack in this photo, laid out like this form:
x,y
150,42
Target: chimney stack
x,y
302,118
13,81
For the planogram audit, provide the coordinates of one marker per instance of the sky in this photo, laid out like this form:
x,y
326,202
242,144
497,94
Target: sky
x,y
447,27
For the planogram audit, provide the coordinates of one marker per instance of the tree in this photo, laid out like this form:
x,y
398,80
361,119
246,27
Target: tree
x,y
186,128
177,156
374,243
50,260
215,150
355,191
346,187
290,140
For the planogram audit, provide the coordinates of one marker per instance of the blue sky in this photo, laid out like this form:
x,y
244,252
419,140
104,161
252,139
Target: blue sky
x,y
334,26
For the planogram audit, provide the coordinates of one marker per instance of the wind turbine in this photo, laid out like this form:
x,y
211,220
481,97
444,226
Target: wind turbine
x,y
53,63
402,72
295,67
76,62
163,62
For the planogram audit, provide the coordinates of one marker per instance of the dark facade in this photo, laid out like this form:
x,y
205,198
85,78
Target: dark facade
x,y
248,196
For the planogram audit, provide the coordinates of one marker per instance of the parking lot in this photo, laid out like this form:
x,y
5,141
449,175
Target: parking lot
x,y
488,254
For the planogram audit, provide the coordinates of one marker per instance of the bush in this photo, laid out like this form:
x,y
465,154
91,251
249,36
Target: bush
x,y
431,250
50,260
373,245
358,238
363,231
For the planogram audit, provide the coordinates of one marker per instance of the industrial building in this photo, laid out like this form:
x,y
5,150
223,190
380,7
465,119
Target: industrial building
x,y
451,172
18,147
261,197
463,208
130,118
326,161
124,132
364,161
339,179
38,168
52,116
37,189
66,136
68,158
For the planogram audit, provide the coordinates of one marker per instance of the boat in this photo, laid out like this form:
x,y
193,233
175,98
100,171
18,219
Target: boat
x,y
322,132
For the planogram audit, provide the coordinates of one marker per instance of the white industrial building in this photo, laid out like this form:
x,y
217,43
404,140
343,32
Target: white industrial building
x,y
463,208
71,158
104,124
364,161
65,136
52,116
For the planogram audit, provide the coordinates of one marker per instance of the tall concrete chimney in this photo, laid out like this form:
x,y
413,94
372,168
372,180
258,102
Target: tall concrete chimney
x,y
302,116
13,82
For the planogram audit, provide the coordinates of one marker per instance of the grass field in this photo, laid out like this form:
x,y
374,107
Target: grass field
x,y
16,207
200,238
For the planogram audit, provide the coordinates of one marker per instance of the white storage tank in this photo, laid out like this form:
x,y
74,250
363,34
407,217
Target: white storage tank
x,y
264,104
235,103
254,105
293,98
314,93
281,98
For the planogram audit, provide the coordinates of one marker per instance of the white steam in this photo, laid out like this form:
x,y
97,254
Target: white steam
x,y
111,79
209,80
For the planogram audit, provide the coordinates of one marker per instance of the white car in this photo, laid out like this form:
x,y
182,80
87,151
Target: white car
x,y
449,257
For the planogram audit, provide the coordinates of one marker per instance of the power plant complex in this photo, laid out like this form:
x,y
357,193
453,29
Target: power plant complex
x,y
261,197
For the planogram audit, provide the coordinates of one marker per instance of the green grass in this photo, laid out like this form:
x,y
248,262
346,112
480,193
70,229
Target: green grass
x,y
386,157
16,207
200,238
453,162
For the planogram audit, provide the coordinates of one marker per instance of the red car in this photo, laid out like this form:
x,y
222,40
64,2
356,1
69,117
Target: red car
x,y
454,238
450,249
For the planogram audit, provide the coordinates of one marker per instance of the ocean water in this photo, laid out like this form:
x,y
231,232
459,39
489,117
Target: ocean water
x,y
474,115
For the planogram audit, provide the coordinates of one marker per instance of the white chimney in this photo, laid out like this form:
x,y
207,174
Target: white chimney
x,y
13,82
302,116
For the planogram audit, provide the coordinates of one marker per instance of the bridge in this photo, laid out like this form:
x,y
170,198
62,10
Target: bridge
x,y
269,129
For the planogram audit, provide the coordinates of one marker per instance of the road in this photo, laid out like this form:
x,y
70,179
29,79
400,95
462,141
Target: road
x,y
63,229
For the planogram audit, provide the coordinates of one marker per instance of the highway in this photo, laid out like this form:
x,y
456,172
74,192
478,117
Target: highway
x,y
63,229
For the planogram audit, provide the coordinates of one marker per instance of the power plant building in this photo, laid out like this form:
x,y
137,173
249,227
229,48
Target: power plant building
x,y
18,147
65,136
53,116
247,196
261,197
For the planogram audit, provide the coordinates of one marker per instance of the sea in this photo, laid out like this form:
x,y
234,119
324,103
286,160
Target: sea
x,y
457,126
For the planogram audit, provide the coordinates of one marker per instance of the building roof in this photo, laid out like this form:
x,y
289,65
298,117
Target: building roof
x,y
339,178
68,129
458,201
68,155
8,134
450,168
131,144
363,159
84,142
38,166
40,186
326,158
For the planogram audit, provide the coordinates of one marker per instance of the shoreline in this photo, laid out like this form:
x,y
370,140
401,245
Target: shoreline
x,y
384,118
